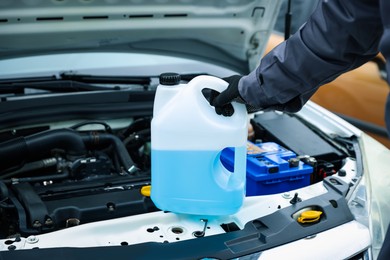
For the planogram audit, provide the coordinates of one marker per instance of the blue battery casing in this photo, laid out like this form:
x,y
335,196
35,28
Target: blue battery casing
x,y
269,170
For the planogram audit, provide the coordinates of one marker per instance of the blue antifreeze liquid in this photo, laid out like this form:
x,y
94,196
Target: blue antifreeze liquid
x,y
196,182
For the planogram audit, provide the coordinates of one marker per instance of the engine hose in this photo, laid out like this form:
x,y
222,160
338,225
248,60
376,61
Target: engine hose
x,y
37,146
41,164
3,191
138,139
137,125
59,176
95,139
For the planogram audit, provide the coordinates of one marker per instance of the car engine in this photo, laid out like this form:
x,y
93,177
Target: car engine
x,y
60,178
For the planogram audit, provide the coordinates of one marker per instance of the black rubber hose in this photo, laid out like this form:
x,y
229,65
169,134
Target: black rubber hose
x,y
38,146
31,166
13,153
95,139
137,125
59,176
66,139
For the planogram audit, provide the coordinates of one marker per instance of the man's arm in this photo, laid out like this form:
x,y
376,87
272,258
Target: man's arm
x,y
340,36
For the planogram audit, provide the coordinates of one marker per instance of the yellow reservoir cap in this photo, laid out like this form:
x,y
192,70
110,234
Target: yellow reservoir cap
x,y
145,190
309,216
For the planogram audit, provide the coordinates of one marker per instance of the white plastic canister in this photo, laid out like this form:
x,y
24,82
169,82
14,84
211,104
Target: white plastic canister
x,y
187,139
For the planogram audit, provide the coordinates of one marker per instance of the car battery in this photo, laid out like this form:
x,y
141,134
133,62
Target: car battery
x,y
270,169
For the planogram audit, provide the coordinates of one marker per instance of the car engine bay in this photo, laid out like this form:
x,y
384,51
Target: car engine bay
x,y
60,178
73,177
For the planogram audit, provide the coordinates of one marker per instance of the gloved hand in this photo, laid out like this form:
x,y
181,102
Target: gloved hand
x,y
222,101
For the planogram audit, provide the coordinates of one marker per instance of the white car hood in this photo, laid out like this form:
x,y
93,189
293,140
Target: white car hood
x,y
232,33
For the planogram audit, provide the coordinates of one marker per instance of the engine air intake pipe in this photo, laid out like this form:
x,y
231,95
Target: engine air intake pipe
x,y
37,146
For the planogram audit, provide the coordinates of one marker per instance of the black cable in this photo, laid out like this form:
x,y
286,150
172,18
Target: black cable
x,y
106,126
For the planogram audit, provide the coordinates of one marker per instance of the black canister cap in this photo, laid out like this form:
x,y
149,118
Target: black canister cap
x,y
170,78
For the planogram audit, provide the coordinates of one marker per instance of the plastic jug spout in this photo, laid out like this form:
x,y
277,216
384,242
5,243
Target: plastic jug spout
x,y
168,88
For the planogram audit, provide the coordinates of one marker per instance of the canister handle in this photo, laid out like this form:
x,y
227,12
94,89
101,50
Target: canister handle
x,y
214,83
238,177
231,180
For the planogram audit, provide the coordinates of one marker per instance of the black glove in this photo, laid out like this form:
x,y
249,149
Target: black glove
x,y
222,101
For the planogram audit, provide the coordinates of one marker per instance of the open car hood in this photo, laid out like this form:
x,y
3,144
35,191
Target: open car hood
x,y
224,32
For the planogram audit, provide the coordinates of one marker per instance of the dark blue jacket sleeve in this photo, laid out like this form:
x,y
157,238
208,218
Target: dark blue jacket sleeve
x,y
339,36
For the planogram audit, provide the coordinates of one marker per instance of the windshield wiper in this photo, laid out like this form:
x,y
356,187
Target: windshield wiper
x,y
138,80
52,86
69,83
23,80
